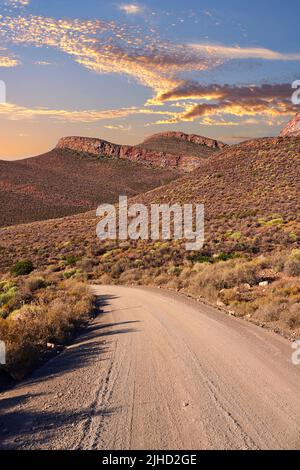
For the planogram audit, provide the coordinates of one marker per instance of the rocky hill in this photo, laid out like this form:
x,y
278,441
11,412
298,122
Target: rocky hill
x,y
292,129
167,150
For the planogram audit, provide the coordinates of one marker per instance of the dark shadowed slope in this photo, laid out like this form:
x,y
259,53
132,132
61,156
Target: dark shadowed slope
x,y
62,182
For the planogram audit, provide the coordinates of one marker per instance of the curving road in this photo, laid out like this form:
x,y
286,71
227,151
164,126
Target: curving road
x,y
158,371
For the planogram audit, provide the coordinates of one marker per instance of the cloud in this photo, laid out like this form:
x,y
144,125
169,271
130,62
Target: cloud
x,y
15,112
106,47
194,90
18,3
8,60
43,63
131,8
219,101
243,53
118,127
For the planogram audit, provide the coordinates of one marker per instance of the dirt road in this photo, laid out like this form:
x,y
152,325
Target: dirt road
x,y
158,371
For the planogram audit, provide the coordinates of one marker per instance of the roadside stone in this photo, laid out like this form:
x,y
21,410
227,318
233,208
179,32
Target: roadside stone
x,y
264,284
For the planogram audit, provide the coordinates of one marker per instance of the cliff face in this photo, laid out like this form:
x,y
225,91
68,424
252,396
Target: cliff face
x,y
102,148
292,129
96,147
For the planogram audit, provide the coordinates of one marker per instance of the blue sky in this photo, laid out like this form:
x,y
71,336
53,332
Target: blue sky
x,y
122,70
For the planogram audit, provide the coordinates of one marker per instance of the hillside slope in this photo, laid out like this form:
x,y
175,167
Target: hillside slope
x,y
257,178
61,183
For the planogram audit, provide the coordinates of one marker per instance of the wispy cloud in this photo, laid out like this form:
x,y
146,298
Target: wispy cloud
x,y
228,52
43,63
119,127
131,8
17,3
15,112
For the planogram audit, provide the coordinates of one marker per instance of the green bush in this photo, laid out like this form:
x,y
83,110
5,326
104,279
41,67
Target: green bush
x,y
71,260
199,258
22,268
226,256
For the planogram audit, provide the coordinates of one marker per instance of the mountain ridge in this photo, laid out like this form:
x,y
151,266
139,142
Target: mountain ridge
x,y
177,150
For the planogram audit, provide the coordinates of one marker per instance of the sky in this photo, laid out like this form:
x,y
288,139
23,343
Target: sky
x,y
122,70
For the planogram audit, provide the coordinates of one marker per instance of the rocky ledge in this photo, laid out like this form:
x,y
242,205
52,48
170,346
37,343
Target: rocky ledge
x,y
102,148
292,129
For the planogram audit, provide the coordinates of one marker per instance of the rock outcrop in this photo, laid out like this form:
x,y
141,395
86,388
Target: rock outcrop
x,y
292,129
102,148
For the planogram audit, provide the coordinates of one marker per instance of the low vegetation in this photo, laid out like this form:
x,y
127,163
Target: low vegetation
x,y
38,314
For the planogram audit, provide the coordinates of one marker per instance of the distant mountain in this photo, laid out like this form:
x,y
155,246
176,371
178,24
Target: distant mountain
x,y
63,182
292,129
81,172
167,150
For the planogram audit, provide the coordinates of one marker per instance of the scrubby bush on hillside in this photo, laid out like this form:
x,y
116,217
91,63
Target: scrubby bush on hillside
x,y
22,268
292,265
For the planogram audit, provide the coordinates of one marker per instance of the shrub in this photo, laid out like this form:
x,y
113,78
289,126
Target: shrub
x,y
270,312
87,264
226,256
202,259
35,284
22,268
71,260
70,273
224,275
292,265
7,296
293,317
48,318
